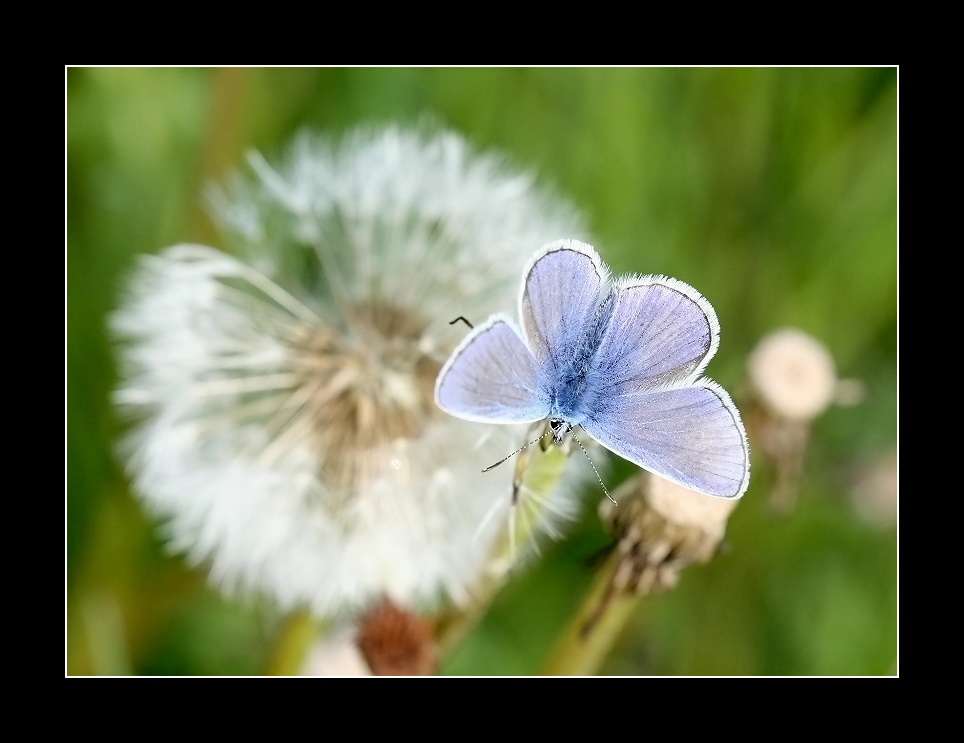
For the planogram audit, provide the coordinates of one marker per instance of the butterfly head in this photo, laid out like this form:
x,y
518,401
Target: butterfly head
x,y
558,428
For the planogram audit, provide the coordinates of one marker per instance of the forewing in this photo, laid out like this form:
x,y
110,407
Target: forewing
x,y
492,378
691,435
560,295
661,333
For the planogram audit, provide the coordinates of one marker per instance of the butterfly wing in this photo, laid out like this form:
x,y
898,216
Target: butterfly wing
x,y
691,435
560,295
649,404
492,378
661,333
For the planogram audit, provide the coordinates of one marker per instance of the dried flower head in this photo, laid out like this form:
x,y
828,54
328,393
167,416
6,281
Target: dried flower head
x,y
395,642
286,430
659,529
873,492
791,379
792,374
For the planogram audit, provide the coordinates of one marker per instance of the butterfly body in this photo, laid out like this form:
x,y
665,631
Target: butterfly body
x,y
623,360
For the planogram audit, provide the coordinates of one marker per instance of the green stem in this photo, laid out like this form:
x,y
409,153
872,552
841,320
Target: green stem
x,y
595,627
294,640
537,470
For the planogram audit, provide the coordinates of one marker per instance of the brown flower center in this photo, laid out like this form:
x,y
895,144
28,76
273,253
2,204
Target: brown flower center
x,y
365,388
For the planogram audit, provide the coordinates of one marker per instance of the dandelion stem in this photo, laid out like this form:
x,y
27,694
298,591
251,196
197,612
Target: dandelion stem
x,y
294,639
595,627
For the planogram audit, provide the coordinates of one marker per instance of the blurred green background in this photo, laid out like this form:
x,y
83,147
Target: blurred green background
x,y
773,191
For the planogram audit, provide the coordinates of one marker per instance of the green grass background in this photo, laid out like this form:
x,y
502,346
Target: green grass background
x,y
774,191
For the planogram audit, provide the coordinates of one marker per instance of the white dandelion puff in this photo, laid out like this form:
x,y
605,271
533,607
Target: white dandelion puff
x,y
285,428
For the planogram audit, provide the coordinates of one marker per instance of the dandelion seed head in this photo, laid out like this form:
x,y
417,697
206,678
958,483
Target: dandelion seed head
x,y
793,374
284,426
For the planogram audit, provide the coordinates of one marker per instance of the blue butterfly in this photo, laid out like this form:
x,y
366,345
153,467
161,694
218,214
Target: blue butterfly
x,y
621,359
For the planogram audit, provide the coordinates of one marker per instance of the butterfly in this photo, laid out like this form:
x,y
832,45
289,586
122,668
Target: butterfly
x,y
622,359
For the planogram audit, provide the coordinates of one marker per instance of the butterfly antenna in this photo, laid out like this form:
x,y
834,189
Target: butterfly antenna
x,y
521,448
460,317
593,468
